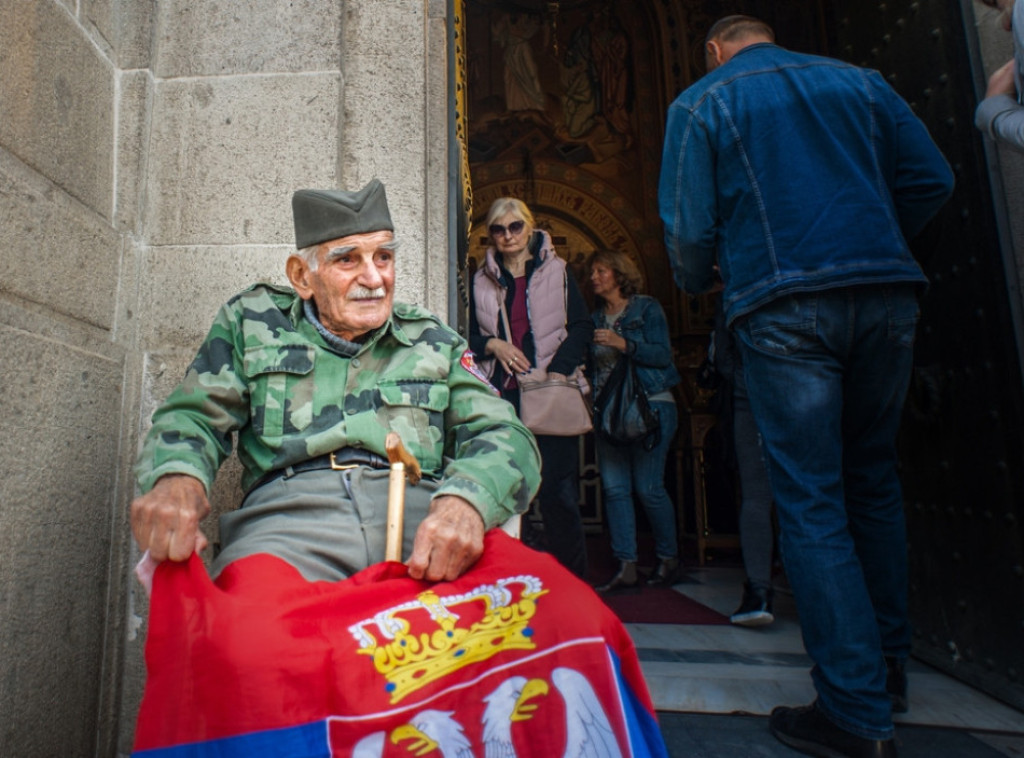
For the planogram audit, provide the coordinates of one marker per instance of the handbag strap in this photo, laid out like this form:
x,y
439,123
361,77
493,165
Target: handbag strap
x,y
508,328
504,316
611,384
508,336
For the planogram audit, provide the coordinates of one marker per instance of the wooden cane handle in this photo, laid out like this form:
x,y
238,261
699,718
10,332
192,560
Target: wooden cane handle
x,y
396,513
403,465
397,453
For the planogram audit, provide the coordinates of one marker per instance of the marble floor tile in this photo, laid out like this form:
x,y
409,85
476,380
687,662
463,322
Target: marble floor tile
x,y
693,735
1007,744
733,670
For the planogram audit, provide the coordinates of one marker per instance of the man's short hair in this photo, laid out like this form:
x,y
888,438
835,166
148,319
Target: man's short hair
x,y
736,27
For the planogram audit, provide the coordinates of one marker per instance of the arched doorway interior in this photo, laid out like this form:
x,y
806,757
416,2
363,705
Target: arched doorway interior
x,y
565,106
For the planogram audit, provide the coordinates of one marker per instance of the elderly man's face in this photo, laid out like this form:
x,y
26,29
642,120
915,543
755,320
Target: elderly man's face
x,y
353,285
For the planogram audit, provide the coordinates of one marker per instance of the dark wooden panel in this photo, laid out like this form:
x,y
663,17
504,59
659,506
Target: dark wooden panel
x,y
961,442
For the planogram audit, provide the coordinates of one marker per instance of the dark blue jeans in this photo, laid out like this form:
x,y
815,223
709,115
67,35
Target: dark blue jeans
x,y
559,501
757,536
629,469
827,374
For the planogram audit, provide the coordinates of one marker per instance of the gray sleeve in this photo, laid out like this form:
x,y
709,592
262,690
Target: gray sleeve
x,y
1002,118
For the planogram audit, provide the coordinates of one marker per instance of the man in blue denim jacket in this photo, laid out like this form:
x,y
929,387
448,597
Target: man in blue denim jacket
x,y
800,179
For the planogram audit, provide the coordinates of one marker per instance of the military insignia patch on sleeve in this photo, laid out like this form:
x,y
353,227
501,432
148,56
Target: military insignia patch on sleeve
x,y
468,362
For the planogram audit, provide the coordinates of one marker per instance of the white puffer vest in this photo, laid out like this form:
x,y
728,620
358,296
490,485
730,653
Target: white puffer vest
x,y
545,303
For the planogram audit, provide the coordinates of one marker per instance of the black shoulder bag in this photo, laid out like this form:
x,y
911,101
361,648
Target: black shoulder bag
x,y
622,412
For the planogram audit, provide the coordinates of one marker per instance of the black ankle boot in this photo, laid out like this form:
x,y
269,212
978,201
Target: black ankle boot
x,y
896,684
666,574
624,577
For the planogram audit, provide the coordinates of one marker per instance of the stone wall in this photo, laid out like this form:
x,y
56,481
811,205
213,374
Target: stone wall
x,y
66,338
148,153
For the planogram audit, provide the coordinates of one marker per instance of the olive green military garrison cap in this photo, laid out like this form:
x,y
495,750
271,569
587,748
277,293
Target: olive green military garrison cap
x,y
322,215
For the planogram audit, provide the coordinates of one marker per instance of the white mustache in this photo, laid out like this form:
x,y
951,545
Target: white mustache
x,y
365,293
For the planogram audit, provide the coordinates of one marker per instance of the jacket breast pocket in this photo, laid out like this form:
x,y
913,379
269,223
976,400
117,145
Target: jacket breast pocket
x,y
633,325
415,410
280,389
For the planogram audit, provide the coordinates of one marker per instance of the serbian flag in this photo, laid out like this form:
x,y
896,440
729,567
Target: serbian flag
x,y
515,658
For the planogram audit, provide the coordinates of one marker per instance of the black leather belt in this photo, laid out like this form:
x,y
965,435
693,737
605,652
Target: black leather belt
x,y
340,460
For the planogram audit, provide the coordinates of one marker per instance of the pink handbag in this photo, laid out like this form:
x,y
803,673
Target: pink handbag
x,y
554,406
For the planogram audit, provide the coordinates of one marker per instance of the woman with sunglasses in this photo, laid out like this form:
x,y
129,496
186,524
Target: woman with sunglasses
x,y
550,329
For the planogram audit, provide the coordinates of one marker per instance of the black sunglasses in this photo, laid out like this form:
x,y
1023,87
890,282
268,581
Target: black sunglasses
x,y
515,227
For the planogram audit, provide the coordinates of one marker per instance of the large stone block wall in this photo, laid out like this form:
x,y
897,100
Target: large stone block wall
x,y
63,342
148,153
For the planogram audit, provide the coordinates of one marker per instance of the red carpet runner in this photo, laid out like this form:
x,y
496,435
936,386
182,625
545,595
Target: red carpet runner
x,y
660,606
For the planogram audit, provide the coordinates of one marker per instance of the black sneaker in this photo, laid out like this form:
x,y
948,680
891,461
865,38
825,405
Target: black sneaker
x,y
756,608
809,731
896,684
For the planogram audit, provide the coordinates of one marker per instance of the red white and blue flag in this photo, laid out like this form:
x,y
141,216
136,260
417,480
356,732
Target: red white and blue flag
x,y
515,658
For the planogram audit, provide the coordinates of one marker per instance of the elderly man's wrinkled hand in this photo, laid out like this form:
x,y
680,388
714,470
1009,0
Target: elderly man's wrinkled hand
x,y
166,519
448,542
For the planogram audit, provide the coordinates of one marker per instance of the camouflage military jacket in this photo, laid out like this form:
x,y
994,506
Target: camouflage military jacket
x,y
265,373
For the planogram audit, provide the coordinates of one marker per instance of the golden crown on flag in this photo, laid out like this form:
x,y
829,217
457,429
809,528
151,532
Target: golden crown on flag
x,y
410,659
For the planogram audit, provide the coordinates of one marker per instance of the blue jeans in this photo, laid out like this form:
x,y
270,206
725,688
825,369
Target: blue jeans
x,y
827,374
628,468
757,536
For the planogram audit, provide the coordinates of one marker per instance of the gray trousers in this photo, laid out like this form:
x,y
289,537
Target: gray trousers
x,y
327,524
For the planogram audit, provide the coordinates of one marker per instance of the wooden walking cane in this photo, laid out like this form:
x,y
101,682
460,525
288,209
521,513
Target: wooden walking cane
x,y
403,464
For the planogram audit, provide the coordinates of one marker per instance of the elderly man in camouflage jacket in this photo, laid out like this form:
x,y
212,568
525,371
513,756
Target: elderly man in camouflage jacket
x,y
312,379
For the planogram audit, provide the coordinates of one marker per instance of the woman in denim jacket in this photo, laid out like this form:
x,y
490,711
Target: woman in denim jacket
x,y
634,324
